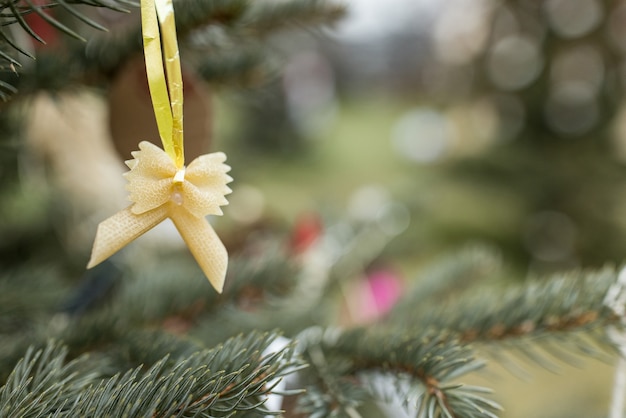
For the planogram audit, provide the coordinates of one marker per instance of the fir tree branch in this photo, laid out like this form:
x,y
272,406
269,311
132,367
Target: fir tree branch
x,y
40,10
15,14
530,316
170,295
105,54
42,385
194,14
560,305
208,31
232,378
235,377
267,18
330,390
558,318
430,359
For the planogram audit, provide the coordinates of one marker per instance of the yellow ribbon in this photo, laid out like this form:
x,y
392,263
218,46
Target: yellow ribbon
x,y
160,185
167,98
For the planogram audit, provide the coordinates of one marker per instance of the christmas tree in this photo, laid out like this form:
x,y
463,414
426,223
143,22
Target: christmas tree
x,y
313,318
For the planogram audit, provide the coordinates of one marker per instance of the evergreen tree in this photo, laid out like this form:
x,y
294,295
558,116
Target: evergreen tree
x,y
142,335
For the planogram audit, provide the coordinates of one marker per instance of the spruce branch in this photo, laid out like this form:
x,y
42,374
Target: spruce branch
x,y
219,37
167,296
232,378
560,318
42,384
194,14
235,377
263,19
569,306
330,390
105,54
428,350
432,361
14,12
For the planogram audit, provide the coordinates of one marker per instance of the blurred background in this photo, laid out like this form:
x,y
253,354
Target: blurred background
x,y
465,121
500,122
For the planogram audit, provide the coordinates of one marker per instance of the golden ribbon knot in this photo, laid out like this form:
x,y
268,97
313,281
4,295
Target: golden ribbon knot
x,y
158,191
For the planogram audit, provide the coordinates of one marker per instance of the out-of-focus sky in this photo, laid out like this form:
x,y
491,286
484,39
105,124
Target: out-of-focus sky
x,y
374,18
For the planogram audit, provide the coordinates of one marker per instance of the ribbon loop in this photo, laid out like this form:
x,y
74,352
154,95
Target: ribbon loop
x,y
167,97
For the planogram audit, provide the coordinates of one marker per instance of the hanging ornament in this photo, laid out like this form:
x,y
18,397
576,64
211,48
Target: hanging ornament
x,y
160,185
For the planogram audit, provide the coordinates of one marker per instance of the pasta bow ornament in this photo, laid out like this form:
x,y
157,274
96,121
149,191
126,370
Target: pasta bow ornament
x,y
160,185
158,191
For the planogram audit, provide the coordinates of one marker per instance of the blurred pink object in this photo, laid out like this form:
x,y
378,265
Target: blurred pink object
x,y
375,295
386,289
